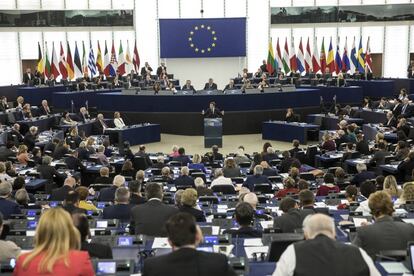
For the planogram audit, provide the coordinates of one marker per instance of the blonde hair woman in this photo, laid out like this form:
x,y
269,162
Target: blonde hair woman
x,y
22,155
56,250
406,195
390,186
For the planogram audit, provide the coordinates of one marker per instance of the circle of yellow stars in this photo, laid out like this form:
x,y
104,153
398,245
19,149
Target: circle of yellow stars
x,y
194,46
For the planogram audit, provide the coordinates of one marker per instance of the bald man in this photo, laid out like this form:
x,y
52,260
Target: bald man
x,y
59,194
332,258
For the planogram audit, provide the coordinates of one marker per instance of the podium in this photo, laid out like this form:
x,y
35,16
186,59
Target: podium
x,y
213,132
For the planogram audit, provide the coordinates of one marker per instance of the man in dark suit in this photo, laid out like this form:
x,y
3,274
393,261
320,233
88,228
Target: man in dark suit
x,y
184,235
188,87
146,69
391,121
362,175
212,111
291,219
244,214
256,178
45,109
6,151
379,156
30,138
214,154
184,180
210,85
83,115
7,206
122,209
135,197
263,67
103,177
230,85
108,194
51,146
362,145
95,250
307,204
407,110
161,68
385,233
406,167
48,172
287,162
321,254
15,132
149,218
28,77
141,153
99,126
59,194
73,162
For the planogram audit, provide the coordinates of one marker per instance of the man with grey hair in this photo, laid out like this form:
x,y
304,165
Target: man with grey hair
x,y
122,209
7,206
201,188
100,126
49,172
184,180
108,194
332,258
256,178
220,180
362,175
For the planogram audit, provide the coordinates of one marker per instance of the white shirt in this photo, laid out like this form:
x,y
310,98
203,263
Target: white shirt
x,y
287,263
119,123
4,177
221,180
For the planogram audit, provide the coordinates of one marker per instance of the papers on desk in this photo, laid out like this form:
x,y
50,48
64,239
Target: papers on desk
x,y
320,204
161,243
411,220
394,267
253,242
255,249
359,221
360,161
279,185
215,230
266,224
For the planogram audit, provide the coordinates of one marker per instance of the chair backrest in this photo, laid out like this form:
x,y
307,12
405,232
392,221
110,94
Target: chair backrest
x,y
156,171
224,189
279,243
307,176
311,151
245,164
263,188
174,164
199,174
212,199
98,187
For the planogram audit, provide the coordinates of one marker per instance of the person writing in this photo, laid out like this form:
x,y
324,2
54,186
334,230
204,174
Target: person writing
x,y
212,111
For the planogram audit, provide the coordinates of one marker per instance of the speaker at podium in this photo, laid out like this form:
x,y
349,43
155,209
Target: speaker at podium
x,y
213,126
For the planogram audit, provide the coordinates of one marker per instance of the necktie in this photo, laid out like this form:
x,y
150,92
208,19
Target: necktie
x,y
403,110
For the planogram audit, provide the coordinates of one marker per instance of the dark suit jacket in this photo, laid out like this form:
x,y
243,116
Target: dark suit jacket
x,y
361,177
227,87
408,111
9,207
213,86
391,123
59,194
83,117
97,250
379,157
47,172
136,200
197,214
212,114
160,68
26,78
107,194
203,191
144,72
83,153
103,180
406,168
42,111
190,88
6,153
362,147
149,218
244,232
60,152
286,163
74,163
184,159
50,146
188,261
18,135
117,211
184,180
98,127
289,221
384,234
29,141
251,180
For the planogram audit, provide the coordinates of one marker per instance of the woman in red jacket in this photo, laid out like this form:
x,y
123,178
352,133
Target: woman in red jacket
x,y
328,186
56,251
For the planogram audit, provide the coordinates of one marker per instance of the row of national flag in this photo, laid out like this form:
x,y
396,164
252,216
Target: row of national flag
x,y
70,67
304,60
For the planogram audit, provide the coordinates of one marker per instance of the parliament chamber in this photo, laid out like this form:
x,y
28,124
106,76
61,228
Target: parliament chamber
x,y
206,137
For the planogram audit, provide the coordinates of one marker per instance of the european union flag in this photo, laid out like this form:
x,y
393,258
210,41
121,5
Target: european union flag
x,y
191,38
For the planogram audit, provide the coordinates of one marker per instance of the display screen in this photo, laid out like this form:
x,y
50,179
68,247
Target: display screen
x,y
31,224
125,241
101,223
106,268
211,240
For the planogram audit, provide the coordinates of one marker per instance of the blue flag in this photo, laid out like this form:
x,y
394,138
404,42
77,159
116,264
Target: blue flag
x,y
191,38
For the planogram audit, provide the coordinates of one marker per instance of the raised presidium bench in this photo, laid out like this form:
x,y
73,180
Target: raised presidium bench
x,y
135,134
284,131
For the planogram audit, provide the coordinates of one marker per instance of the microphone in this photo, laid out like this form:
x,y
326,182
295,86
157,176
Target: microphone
x,y
72,106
